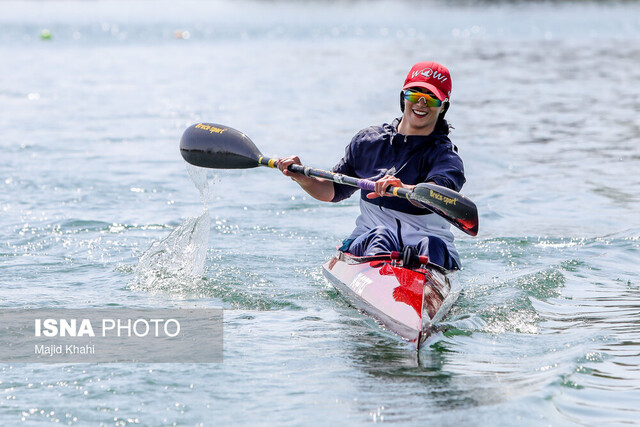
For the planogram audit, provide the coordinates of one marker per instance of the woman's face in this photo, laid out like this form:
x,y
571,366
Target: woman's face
x,y
418,115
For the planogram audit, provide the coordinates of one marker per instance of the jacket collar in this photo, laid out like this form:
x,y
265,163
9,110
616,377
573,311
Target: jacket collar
x,y
413,140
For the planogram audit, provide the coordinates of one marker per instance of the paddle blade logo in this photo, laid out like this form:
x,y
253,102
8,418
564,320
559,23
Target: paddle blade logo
x,y
210,128
446,200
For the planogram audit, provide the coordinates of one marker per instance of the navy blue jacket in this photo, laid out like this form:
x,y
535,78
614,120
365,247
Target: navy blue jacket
x,y
380,150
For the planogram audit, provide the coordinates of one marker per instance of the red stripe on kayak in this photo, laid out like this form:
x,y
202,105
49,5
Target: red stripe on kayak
x,y
411,286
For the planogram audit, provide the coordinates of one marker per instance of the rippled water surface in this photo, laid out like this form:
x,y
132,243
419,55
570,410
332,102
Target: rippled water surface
x,y
97,208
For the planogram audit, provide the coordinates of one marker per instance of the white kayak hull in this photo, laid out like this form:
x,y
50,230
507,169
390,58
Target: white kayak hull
x,y
406,301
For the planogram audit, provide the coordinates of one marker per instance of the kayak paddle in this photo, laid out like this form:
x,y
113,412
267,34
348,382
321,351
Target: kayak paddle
x,y
221,147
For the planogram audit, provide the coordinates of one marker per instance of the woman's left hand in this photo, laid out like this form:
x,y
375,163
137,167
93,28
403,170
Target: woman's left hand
x,y
382,184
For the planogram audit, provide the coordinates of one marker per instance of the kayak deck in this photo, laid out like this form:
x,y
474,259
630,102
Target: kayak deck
x,y
406,301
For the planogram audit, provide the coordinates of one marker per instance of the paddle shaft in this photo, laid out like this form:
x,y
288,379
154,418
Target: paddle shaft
x,y
221,147
364,184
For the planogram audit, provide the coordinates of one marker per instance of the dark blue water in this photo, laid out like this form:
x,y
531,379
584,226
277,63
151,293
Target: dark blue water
x,y
97,208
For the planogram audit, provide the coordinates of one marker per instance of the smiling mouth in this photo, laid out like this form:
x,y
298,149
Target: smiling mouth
x,y
420,113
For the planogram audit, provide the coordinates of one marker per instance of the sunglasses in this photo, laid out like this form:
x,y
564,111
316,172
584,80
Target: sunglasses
x,y
414,97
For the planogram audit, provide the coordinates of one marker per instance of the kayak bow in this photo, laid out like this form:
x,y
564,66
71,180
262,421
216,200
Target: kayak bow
x,y
408,301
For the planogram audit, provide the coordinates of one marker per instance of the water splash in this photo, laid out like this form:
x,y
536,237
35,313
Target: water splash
x,y
203,181
175,263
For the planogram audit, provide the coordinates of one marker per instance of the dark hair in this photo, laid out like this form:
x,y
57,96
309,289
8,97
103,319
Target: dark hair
x,y
442,125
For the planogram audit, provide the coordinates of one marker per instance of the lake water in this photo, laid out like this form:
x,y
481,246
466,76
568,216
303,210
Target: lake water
x,y
97,207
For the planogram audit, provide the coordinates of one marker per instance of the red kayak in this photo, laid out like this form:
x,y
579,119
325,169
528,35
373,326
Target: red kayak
x,y
408,301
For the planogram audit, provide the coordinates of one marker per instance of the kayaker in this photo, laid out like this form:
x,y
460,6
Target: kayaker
x,y
412,149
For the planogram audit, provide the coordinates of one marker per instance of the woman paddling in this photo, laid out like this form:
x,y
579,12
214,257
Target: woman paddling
x,y
414,148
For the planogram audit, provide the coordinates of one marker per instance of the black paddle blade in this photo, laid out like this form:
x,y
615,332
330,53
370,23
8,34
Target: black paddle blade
x,y
219,147
449,204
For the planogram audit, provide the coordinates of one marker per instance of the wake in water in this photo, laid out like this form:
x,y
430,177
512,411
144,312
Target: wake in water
x,y
176,262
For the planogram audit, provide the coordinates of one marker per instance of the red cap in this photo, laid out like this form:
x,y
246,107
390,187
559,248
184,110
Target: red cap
x,y
432,76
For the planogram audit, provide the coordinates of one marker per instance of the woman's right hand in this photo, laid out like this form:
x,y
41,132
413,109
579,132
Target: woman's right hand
x,y
285,162
317,188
